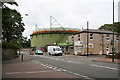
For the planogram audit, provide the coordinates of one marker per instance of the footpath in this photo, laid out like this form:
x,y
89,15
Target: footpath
x,y
27,68
108,60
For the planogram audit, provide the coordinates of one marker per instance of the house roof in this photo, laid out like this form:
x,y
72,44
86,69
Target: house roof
x,y
98,31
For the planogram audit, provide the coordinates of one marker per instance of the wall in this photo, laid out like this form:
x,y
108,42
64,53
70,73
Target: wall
x,y
99,41
9,53
47,39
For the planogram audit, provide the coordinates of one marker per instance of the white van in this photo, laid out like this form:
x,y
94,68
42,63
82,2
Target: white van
x,y
54,50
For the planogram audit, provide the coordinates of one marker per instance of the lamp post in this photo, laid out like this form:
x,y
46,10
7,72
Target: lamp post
x,y
113,36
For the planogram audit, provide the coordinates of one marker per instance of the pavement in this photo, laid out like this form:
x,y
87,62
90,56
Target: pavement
x,y
108,60
100,58
16,68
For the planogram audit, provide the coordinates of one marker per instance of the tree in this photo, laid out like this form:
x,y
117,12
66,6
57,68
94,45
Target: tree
x,y
12,26
110,27
25,42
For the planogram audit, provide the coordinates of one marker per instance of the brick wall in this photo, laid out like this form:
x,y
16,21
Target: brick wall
x,y
9,53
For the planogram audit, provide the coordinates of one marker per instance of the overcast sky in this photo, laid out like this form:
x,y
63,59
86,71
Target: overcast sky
x,y
69,13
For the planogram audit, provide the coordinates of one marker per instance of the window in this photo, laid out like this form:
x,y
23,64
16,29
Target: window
x,y
91,36
107,48
117,37
78,37
72,37
58,49
53,49
107,37
79,49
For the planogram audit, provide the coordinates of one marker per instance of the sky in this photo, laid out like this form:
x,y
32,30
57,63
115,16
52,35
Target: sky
x,y
69,13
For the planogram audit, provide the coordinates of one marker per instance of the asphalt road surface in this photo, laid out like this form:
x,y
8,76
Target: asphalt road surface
x,y
80,66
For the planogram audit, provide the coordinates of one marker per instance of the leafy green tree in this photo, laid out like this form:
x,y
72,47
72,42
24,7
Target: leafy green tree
x,y
25,42
110,27
12,26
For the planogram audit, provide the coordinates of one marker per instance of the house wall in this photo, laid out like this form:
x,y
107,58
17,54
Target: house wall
x,y
100,43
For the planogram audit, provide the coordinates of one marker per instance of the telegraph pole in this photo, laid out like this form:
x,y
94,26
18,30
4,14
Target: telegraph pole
x,y
87,38
113,36
50,21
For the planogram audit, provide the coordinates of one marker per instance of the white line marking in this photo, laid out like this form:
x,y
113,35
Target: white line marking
x,y
86,77
75,62
57,59
104,67
70,72
58,70
29,72
64,70
55,67
50,67
76,74
14,73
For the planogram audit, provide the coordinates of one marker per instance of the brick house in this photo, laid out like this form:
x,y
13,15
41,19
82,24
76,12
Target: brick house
x,y
99,42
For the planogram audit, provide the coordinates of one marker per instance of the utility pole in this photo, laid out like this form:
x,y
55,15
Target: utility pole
x,y
50,21
113,36
102,44
87,38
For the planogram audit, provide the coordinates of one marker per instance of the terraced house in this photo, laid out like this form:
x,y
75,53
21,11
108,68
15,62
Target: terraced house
x,y
98,41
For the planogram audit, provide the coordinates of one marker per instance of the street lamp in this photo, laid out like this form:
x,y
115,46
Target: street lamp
x,y
113,36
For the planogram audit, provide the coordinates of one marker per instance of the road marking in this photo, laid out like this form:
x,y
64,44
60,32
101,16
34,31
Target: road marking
x,y
86,77
57,59
14,73
69,61
104,67
64,70
29,72
75,62
56,69
76,74
70,72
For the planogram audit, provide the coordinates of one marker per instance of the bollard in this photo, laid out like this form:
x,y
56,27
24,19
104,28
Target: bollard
x,y
22,57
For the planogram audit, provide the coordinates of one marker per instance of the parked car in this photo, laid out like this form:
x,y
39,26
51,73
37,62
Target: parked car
x,y
38,52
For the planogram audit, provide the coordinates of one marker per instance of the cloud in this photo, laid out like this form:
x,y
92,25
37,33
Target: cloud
x,y
69,13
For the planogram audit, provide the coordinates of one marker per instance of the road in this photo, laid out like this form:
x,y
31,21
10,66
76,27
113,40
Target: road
x,y
80,66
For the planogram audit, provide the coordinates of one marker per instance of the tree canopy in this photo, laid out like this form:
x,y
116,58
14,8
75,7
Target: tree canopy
x,y
12,25
116,26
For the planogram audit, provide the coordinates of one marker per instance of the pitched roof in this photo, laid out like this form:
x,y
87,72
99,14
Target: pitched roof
x,y
98,31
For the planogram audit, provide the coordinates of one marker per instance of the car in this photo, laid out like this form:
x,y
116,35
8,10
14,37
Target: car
x,y
38,52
